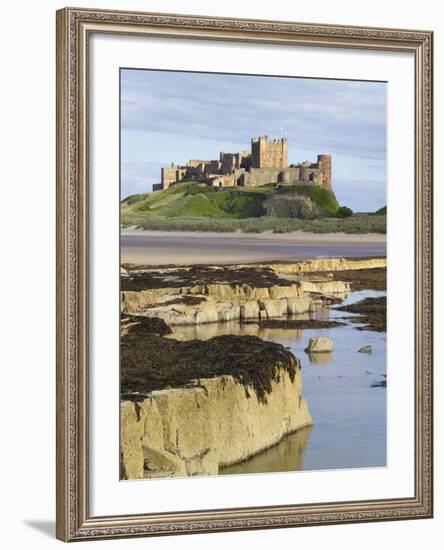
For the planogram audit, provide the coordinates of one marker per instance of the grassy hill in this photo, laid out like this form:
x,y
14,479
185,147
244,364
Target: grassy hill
x,y
196,201
199,207
202,201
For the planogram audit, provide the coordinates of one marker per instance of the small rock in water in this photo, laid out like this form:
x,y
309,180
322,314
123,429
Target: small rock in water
x,y
319,345
380,384
365,349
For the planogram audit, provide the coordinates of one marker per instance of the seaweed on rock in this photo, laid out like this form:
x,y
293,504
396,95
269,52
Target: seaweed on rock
x,y
146,278
150,362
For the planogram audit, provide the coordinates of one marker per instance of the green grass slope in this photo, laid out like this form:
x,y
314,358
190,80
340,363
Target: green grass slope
x,y
323,198
195,201
198,207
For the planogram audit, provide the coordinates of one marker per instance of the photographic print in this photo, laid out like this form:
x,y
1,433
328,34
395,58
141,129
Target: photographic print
x,y
224,356
253,274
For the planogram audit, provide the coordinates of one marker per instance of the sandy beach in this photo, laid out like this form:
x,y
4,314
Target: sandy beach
x,y
182,247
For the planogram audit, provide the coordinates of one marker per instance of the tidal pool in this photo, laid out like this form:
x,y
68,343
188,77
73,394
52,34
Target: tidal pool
x,y
349,415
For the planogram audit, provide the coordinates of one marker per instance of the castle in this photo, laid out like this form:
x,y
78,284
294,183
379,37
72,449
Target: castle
x,y
267,162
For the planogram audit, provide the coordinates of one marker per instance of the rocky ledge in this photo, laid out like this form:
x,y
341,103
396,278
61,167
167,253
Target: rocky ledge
x,y
189,408
199,294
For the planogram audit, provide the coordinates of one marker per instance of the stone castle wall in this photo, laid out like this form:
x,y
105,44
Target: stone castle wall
x,y
261,176
266,163
172,174
324,163
269,154
168,177
294,175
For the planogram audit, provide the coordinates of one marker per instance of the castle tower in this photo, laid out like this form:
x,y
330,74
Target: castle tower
x,y
269,154
324,164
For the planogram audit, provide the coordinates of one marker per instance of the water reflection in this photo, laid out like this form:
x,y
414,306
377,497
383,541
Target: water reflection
x,y
205,332
320,358
210,330
349,429
286,456
321,314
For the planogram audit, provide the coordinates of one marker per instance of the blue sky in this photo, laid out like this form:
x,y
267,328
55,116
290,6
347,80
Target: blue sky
x,y
171,116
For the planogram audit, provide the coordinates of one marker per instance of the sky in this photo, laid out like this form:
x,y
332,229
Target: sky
x,y
169,116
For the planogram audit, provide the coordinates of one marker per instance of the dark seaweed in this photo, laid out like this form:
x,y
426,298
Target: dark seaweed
x,y
150,362
139,325
360,279
260,277
372,311
379,384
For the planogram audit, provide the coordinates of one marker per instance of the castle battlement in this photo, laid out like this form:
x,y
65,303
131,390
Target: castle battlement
x,y
266,138
266,162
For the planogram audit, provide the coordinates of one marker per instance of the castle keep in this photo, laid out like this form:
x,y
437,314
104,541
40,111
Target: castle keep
x,y
266,162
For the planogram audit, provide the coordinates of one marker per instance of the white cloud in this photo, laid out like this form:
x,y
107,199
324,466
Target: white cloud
x,y
338,116
178,115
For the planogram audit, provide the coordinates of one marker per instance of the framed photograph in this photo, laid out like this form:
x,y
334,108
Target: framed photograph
x,y
244,274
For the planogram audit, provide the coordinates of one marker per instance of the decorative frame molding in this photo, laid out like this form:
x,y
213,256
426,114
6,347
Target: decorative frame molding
x,y
73,519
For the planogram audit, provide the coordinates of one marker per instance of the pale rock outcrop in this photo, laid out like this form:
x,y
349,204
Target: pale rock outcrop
x,y
325,287
249,310
365,349
195,430
137,301
196,289
204,313
225,302
292,291
272,308
299,305
256,293
222,292
219,303
228,312
328,264
320,344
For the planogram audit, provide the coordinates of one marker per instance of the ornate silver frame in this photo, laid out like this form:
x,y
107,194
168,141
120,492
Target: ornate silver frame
x,y
74,521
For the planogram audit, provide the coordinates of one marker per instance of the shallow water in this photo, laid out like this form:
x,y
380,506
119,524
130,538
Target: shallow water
x,y
349,429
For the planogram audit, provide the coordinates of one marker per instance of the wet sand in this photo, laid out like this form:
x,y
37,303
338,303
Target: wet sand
x,y
165,247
